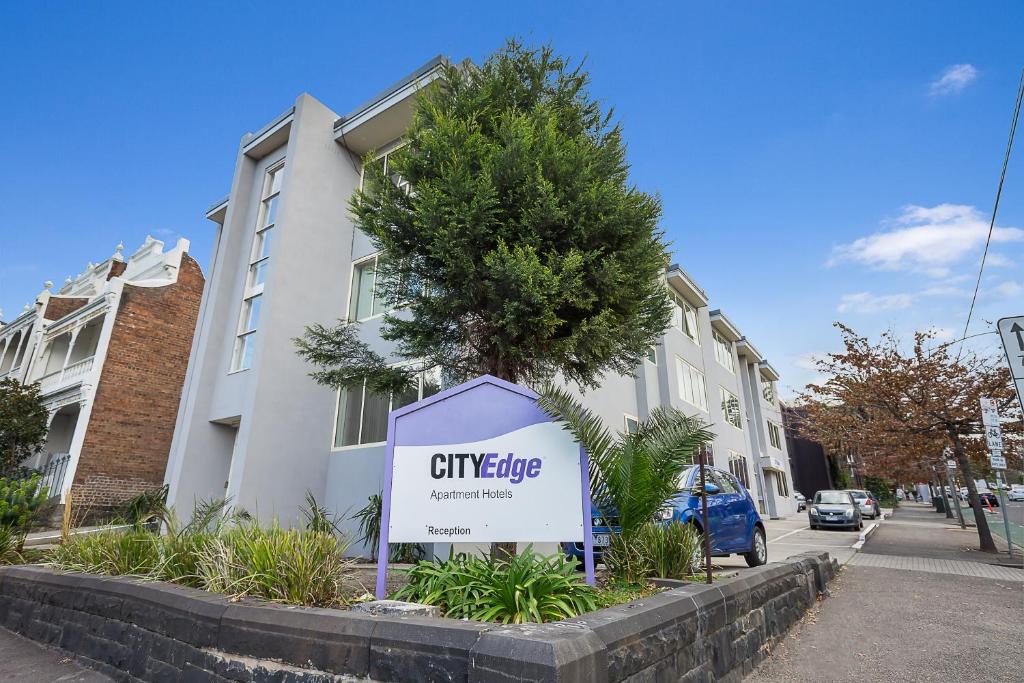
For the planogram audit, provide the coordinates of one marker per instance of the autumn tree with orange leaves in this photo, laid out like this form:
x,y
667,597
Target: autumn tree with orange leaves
x,y
897,411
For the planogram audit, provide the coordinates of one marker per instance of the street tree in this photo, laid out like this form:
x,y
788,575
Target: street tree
x,y
897,411
24,422
510,239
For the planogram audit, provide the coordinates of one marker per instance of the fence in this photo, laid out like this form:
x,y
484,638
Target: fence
x,y
54,472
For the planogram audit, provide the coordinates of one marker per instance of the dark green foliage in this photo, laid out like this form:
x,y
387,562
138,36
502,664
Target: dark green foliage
x,y
369,517
881,488
19,501
666,550
319,518
527,588
522,250
148,507
23,423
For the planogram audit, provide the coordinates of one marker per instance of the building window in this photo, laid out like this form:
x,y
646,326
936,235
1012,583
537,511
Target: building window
x,y
691,385
684,318
362,416
384,160
652,356
723,352
365,299
768,389
738,467
774,435
731,408
783,484
709,454
632,424
259,258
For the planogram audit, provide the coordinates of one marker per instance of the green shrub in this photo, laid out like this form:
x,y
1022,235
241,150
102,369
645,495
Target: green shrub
x,y
19,501
296,566
369,518
134,552
667,551
524,588
11,540
144,508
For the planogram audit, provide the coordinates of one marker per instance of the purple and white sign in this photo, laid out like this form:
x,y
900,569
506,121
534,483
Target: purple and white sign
x,y
481,462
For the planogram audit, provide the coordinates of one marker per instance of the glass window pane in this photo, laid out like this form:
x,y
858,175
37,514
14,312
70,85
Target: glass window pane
x,y
269,212
361,305
349,409
241,359
274,180
264,239
632,425
410,394
251,313
431,382
258,273
375,418
691,323
379,304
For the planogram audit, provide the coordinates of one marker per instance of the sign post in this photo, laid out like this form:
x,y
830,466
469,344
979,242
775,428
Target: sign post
x,y
479,463
994,441
954,495
704,515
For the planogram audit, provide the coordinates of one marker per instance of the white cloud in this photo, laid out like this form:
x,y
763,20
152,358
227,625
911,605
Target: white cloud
x,y
996,260
866,302
953,80
1008,289
808,361
942,333
925,239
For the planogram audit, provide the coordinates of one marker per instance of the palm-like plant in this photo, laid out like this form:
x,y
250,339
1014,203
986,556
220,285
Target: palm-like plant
x,y
632,476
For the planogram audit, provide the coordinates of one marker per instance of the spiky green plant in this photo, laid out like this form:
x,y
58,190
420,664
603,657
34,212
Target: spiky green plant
x,y
632,476
11,540
369,517
132,552
526,588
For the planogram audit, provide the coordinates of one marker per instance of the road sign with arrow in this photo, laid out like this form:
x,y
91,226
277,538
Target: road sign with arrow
x,y
1011,331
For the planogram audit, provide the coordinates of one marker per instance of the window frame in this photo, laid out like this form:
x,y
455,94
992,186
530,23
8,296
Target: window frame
x,y
626,418
723,393
682,306
743,477
723,347
774,431
703,381
421,379
251,290
768,386
354,303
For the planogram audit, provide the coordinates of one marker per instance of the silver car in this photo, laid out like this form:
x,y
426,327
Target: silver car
x,y
867,502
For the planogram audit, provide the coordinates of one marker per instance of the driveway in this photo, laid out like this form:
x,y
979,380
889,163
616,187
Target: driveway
x,y
791,536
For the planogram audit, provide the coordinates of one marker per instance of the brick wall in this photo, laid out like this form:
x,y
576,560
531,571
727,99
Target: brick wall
x,y
136,403
59,306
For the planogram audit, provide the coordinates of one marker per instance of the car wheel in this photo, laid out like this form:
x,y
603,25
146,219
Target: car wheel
x,y
758,554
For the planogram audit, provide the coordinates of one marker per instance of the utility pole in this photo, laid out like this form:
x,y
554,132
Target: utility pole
x,y
954,495
704,516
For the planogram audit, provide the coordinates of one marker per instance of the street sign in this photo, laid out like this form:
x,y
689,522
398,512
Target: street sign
x,y
951,464
996,460
994,437
1011,331
989,412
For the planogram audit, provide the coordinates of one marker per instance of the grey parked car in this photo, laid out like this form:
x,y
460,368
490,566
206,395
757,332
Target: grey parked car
x,y
867,502
834,509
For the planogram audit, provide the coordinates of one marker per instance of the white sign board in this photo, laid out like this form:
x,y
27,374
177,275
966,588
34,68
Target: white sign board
x,y
994,437
996,460
951,464
524,485
1011,332
989,412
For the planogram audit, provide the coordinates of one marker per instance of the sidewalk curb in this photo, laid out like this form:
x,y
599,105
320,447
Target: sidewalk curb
x,y
864,536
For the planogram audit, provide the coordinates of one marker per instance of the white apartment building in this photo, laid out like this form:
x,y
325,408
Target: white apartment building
x,y
108,350
254,427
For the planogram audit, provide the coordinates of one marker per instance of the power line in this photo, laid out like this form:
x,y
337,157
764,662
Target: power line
x,y
999,192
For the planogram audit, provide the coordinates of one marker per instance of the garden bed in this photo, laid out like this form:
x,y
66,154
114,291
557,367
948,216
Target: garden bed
x,y
158,631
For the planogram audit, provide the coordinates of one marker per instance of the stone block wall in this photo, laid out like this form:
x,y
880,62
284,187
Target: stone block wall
x,y
149,631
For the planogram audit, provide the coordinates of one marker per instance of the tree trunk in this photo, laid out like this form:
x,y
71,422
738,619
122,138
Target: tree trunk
x,y
984,533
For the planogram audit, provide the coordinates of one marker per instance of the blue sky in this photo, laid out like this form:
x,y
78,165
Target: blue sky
x,y
817,162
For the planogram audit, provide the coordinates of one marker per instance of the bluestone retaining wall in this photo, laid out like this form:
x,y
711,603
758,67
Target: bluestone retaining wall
x,y
137,630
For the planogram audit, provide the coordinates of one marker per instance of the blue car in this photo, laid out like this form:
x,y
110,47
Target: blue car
x,y
735,526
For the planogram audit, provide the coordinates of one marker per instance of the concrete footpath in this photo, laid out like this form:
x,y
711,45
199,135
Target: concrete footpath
x,y
919,602
22,659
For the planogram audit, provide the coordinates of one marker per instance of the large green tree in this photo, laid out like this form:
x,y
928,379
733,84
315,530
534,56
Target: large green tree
x,y
512,242
23,423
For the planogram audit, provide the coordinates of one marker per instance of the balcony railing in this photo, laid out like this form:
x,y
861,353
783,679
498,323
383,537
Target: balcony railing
x,y
13,372
68,375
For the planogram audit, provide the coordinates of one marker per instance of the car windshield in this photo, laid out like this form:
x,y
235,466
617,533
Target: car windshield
x,y
858,495
832,498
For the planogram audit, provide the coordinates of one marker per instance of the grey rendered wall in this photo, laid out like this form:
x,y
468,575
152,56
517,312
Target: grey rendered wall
x,y
285,434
